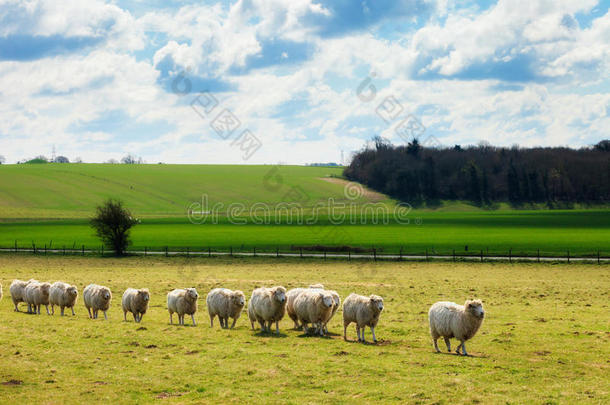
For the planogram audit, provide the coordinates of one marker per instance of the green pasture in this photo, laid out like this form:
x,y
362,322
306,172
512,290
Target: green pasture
x,y
545,339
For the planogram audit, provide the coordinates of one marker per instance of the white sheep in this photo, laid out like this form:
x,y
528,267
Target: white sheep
x,y
314,306
291,296
96,298
17,290
64,295
182,301
364,311
267,305
226,304
136,302
448,319
336,305
37,294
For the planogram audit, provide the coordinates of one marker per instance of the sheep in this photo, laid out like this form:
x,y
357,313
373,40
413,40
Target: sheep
x,y
17,290
37,294
291,296
226,304
97,297
448,319
336,305
364,311
64,295
182,301
136,302
267,305
314,306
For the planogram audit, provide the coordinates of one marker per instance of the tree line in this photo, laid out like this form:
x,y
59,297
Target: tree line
x,y
484,174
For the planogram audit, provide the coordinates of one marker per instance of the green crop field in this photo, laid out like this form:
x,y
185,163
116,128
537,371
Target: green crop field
x,y
545,338
49,205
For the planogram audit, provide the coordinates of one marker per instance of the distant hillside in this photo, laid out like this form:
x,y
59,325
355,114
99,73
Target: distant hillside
x,y
73,190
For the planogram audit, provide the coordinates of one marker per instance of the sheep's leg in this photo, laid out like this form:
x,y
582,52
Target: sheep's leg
x,y
434,340
105,316
448,343
233,324
62,311
140,316
135,317
124,316
211,321
193,318
277,327
180,319
373,332
47,307
171,320
89,310
363,339
321,326
464,349
358,333
52,309
38,308
72,308
458,348
263,326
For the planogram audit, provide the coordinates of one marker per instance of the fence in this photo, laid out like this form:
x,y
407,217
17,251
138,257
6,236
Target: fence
x,y
344,253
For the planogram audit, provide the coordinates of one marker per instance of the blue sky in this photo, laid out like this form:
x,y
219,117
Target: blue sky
x,y
306,79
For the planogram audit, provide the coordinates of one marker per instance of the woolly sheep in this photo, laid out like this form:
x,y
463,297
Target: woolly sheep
x,y
96,298
448,319
314,306
336,305
267,305
64,295
37,294
17,290
226,304
291,296
136,302
364,311
182,301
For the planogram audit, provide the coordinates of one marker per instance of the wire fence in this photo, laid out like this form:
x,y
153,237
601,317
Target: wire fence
x,y
322,252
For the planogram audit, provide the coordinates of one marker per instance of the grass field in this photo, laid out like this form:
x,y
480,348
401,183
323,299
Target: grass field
x,y
49,205
545,338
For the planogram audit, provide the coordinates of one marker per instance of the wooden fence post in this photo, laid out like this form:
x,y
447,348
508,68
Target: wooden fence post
x,y
64,250
454,255
231,251
597,256
426,254
83,249
254,250
538,255
15,245
209,251
301,250
324,254
349,255
481,255
277,251
374,254
568,255
45,249
166,253
400,254
510,255
34,247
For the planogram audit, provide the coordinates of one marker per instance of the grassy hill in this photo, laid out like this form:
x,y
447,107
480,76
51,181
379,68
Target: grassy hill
x,y
73,190
50,204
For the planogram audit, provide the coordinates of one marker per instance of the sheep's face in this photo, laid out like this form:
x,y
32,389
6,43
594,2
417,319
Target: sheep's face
x,y
72,291
192,293
45,287
106,294
279,294
377,302
328,300
475,308
144,295
239,298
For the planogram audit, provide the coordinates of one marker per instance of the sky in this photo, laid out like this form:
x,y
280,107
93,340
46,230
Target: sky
x,y
299,81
